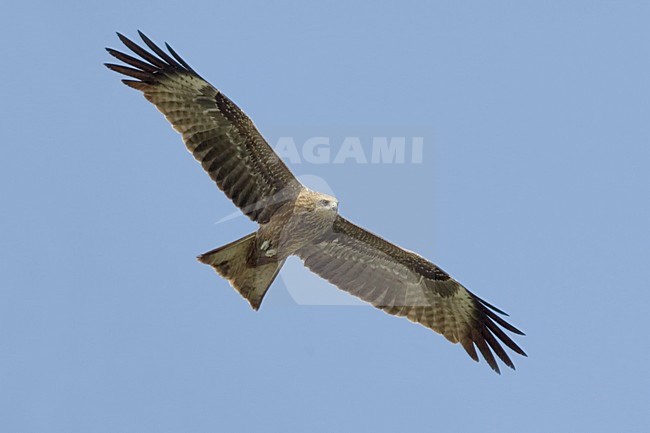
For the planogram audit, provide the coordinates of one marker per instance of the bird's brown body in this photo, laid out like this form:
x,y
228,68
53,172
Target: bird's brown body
x,y
293,226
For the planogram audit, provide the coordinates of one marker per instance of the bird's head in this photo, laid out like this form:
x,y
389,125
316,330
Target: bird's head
x,y
326,202
316,204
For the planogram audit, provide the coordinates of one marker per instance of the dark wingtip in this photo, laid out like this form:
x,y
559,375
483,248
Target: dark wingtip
x,y
137,85
122,38
130,72
468,345
496,347
491,314
113,67
482,345
141,34
180,59
515,330
496,369
161,53
486,335
487,304
145,38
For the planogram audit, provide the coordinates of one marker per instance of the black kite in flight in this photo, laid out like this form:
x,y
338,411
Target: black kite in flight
x,y
294,220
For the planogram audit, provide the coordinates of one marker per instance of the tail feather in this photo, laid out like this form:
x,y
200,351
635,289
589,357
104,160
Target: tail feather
x,y
230,261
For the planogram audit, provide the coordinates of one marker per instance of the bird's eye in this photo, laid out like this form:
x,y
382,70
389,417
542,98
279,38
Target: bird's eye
x,y
324,202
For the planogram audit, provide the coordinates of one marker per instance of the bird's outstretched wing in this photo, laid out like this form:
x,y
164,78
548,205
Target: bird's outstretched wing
x,y
219,135
404,284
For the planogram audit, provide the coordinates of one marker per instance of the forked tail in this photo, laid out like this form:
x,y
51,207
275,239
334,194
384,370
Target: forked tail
x,y
230,261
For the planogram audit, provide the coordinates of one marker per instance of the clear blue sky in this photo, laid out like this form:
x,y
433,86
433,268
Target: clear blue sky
x,y
533,191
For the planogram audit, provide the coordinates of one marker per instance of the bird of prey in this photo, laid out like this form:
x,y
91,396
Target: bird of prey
x,y
294,220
